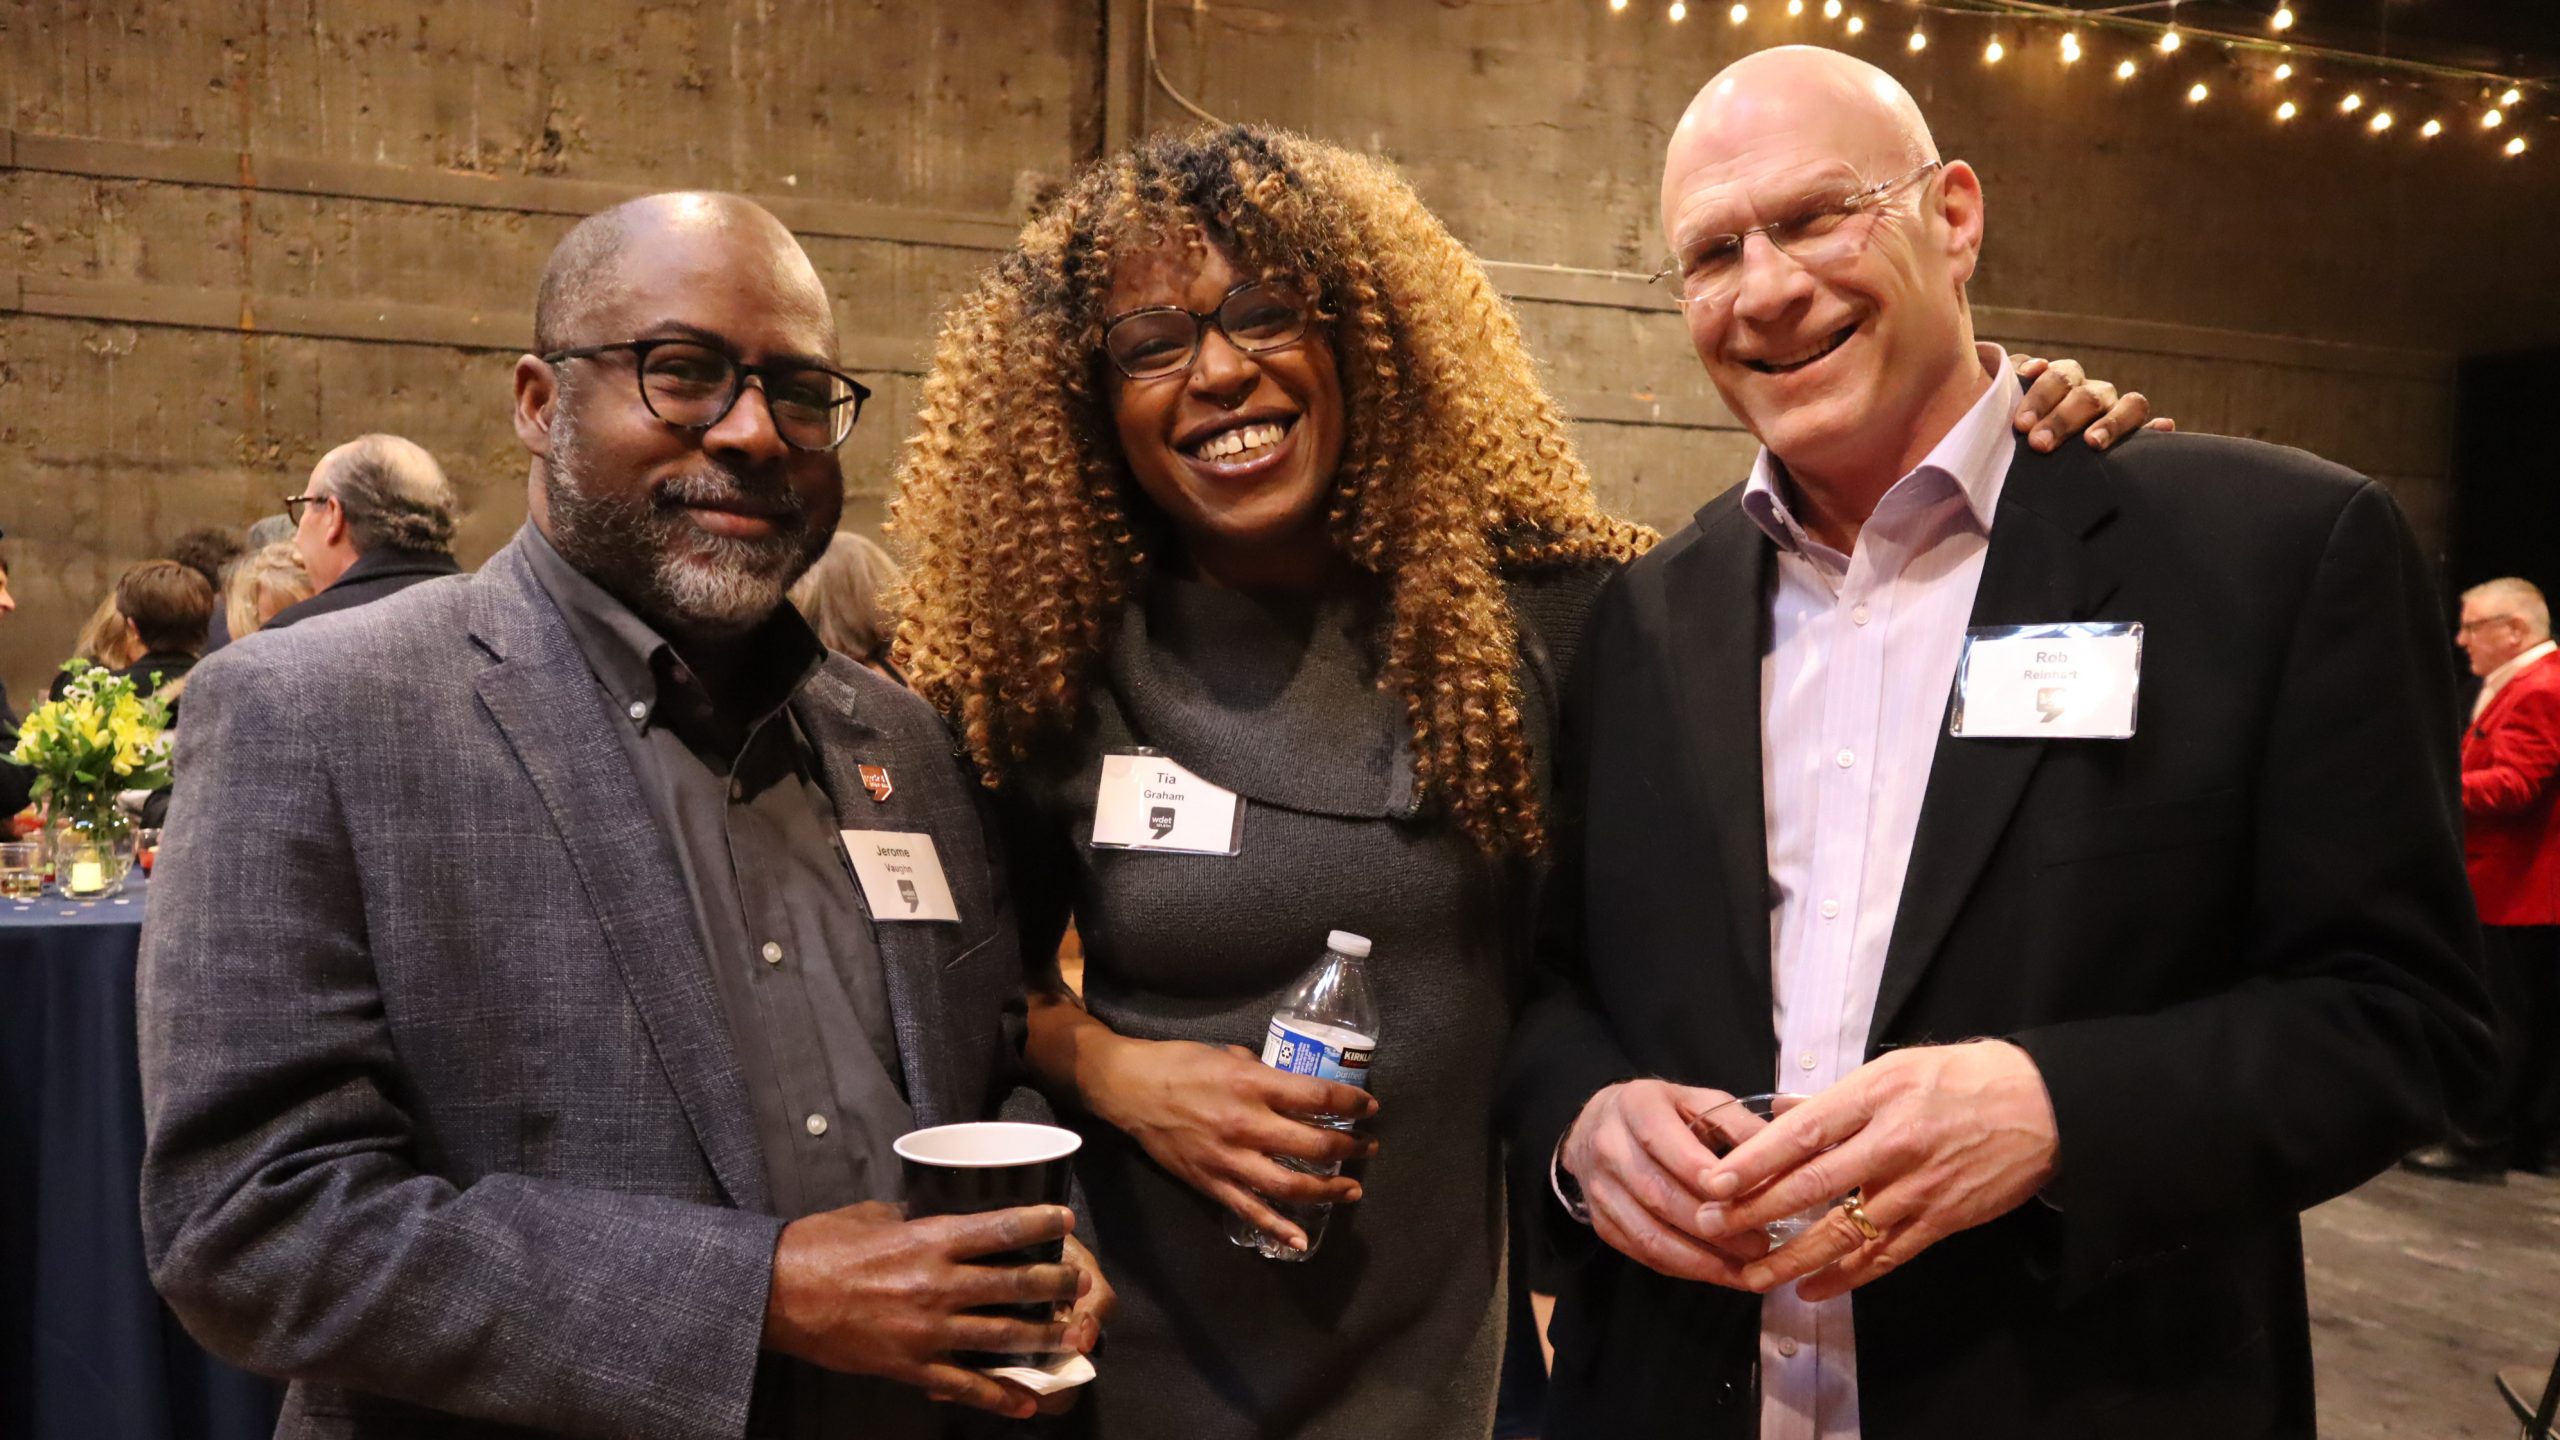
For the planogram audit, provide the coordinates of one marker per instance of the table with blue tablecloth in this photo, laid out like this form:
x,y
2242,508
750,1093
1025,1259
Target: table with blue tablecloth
x,y
86,1348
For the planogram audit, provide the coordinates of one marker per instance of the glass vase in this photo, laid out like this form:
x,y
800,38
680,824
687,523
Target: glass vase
x,y
92,846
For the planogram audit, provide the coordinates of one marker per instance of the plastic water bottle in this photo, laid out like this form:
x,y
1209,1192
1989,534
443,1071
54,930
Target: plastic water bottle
x,y
1328,1028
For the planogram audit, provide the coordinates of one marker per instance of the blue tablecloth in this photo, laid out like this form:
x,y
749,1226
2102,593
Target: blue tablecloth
x,y
86,1349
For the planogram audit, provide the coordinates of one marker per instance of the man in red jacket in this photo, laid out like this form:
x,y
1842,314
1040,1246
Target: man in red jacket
x,y
2511,845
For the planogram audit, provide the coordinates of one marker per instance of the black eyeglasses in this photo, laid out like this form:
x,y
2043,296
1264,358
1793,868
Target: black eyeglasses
x,y
692,386
293,504
1161,340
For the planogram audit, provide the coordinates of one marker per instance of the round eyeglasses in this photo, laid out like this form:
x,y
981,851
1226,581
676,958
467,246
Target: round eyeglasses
x,y
1161,340
1820,232
693,386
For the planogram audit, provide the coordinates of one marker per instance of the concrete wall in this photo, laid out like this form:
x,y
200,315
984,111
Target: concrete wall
x,y
239,232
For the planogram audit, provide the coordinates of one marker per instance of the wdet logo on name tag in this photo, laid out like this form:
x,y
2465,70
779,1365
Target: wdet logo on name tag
x,y
901,875
2048,682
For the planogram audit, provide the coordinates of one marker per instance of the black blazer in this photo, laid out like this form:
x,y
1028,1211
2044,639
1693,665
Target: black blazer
x,y
2239,947
374,575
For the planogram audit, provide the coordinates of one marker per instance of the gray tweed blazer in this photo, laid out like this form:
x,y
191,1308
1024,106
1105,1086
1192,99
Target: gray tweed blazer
x,y
444,1122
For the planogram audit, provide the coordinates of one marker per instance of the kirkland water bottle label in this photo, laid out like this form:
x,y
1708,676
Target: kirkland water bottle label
x,y
1324,1051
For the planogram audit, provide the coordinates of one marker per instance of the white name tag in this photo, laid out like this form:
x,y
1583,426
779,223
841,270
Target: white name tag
x,y
2049,682
901,875
1147,802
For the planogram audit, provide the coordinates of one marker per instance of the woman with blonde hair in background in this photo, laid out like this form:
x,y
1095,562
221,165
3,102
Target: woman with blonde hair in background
x,y
849,598
106,641
263,582
1238,461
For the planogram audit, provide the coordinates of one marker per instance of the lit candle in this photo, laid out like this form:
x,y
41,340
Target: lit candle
x,y
88,877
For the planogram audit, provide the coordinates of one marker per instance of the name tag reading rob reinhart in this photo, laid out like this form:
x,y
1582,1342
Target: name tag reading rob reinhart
x,y
2048,682
901,875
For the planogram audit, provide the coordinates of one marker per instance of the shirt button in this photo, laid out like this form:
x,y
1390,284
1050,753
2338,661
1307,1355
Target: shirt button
x,y
817,1124
1805,1060
1859,615
1787,1347
1846,758
1830,909
738,788
639,711
772,953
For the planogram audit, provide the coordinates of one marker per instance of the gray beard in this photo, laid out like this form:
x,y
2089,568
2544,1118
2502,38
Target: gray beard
x,y
642,549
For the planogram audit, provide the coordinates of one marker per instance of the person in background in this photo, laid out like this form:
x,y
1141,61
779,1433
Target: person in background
x,y
106,641
848,597
165,606
2101,952
2511,847
1239,456
15,780
376,517
264,582
210,553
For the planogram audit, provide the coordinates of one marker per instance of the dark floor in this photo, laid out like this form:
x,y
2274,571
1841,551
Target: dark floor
x,y
2420,1289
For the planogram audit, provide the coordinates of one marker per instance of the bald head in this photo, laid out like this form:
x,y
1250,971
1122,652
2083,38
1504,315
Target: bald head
x,y
588,270
1812,100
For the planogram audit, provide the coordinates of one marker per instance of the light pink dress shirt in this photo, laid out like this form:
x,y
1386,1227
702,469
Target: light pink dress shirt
x,y
1853,697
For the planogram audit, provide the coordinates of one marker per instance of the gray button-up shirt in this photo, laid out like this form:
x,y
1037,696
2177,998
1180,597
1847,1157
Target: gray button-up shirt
x,y
737,793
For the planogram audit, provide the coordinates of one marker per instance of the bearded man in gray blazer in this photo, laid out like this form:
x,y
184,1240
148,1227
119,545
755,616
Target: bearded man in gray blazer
x,y
522,1046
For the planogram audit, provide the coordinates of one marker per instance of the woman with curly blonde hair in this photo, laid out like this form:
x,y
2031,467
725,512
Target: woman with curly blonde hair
x,y
1237,468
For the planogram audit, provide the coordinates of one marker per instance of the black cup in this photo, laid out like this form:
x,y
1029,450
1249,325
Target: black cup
x,y
992,1165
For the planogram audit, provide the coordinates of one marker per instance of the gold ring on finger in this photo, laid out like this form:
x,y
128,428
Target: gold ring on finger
x,y
1854,1205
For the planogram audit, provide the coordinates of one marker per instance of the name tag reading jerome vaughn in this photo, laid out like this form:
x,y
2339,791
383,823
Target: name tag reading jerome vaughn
x,y
901,875
1147,802
2048,682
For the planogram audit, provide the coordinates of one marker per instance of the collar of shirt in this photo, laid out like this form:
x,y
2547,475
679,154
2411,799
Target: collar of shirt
x,y
641,672
1971,460
2498,678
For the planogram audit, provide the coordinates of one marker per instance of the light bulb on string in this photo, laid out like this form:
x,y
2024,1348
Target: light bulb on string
x,y
2070,49
1919,40
1795,7
1617,5
2285,71
1738,13
2353,103
2515,147
2124,70
1993,53
1830,9
2432,129
1679,11
1857,23
2493,120
2282,19
2380,122
2169,42
2286,111
2196,93
2511,97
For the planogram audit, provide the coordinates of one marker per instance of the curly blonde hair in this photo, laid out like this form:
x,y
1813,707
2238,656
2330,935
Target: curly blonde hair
x,y
1026,535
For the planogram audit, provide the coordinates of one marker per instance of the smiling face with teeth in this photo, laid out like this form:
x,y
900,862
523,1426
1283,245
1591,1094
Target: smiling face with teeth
x,y
1849,372
1238,451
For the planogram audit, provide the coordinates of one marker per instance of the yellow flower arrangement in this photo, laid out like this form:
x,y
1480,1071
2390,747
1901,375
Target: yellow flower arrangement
x,y
98,739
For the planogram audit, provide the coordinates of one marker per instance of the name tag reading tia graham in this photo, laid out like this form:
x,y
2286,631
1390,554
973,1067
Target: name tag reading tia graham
x,y
1147,802
901,875
2048,682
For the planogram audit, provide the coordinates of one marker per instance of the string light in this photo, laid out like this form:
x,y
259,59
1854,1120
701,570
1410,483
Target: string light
x,y
1857,23
2286,111
2196,93
1919,39
2432,129
1617,5
2070,49
2493,120
2283,19
1795,7
2515,146
1830,9
1992,53
2353,103
2124,71
2285,71
2511,97
2380,122
1738,14
2169,42
1679,11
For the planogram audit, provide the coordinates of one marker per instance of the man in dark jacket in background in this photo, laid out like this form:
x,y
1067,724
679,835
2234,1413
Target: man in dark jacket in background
x,y
376,517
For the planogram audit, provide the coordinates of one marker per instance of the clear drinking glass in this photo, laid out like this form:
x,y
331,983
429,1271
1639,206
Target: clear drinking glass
x,y
1724,1128
21,870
